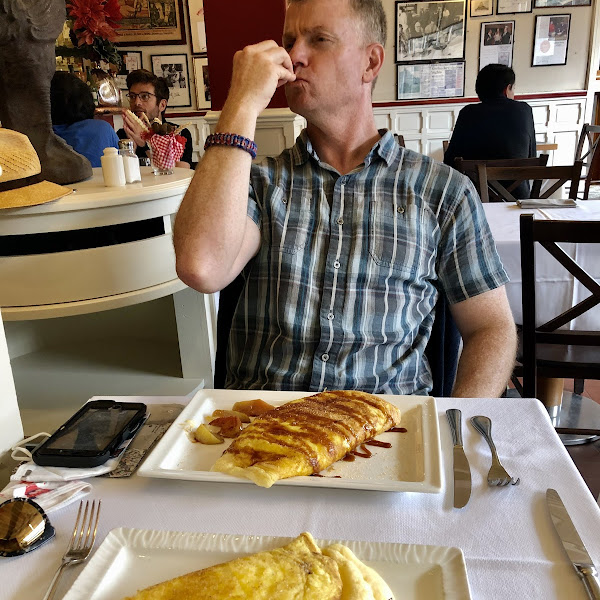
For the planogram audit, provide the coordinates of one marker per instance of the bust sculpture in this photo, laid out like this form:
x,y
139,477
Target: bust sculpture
x,y
28,31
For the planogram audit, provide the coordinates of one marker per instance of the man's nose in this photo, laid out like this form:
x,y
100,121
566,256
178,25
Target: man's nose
x,y
298,54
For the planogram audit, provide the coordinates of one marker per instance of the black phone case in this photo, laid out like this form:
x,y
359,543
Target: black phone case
x,y
72,458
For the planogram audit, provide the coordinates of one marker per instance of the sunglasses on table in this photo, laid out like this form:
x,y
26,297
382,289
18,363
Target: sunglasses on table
x,y
24,527
143,96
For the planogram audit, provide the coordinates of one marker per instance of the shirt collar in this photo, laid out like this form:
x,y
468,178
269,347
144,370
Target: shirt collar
x,y
386,147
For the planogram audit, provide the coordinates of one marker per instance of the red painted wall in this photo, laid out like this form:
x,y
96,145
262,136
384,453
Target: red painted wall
x,y
231,25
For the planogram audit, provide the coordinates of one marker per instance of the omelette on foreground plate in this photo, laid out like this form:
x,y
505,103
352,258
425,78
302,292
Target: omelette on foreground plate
x,y
305,436
298,570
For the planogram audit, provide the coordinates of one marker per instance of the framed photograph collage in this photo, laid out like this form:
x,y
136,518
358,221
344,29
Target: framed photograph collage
x,y
162,22
551,31
430,49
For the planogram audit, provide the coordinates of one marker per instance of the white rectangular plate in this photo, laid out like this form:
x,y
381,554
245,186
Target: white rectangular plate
x,y
412,464
132,559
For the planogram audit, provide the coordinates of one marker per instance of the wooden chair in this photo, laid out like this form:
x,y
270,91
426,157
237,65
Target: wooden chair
x,y
445,144
545,350
492,188
474,169
399,139
587,152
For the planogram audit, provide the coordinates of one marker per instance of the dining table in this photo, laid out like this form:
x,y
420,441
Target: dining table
x,y
555,289
505,534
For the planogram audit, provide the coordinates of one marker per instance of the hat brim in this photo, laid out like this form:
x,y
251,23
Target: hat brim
x,y
38,193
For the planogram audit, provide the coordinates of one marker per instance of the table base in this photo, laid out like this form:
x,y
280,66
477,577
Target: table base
x,y
576,412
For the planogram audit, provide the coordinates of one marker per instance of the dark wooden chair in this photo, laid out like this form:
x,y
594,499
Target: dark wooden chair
x,y
546,350
474,169
445,144
587,152
492,178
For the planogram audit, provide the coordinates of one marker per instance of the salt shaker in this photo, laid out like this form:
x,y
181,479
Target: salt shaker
x,y
130,161
112,168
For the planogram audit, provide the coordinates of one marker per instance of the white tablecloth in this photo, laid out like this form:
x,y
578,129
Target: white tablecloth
x,y
510,547
555,291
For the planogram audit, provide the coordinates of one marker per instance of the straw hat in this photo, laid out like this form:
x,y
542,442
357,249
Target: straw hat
x,y
20,170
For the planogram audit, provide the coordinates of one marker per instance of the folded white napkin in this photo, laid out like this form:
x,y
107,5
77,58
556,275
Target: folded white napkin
x,y
546,203
50,495
31,472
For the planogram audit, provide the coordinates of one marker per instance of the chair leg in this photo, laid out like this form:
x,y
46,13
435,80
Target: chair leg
x,y
578,385
550,390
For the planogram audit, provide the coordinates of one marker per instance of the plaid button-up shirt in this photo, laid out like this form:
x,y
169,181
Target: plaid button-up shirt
x,y
342,292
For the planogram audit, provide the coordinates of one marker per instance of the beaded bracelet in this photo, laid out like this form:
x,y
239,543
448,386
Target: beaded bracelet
x,y
231,139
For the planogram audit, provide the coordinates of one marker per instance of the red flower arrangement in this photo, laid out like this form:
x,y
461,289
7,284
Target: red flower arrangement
x,y
94,25
95,19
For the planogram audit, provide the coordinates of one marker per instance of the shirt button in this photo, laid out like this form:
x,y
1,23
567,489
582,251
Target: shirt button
x,y
330,316
337,264
284,200
343,180
325,357
400,209
340,221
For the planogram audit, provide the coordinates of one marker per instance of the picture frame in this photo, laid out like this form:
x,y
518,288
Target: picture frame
x,y
511,7
174,68
430,30
131,60
561,3
197,27
201,77
481,8
425,81
147,22
551,40
496,43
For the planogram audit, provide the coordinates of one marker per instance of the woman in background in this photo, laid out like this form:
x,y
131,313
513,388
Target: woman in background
x,y
72,110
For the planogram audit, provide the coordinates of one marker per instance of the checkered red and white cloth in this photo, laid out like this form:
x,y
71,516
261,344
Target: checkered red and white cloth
x,y
166,150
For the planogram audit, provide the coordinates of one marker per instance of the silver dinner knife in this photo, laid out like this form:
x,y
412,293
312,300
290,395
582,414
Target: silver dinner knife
x,y
574,547
462,472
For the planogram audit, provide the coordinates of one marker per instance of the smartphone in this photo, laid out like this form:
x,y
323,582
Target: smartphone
x,y
91,435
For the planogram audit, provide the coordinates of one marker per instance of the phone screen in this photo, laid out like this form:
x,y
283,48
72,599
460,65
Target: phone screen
x,y
95,429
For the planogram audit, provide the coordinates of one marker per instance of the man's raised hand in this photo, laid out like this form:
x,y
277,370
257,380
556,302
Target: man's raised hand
x,y
258,70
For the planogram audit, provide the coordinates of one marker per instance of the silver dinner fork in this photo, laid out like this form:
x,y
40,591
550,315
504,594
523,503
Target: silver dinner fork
x,y
497,475
82,541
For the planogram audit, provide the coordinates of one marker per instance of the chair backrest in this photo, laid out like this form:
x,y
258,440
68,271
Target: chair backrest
x,y
492,178
445,144
587,152
399,139
548,234
473,170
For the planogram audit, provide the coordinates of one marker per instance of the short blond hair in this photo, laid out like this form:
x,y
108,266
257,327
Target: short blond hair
x,y
372,18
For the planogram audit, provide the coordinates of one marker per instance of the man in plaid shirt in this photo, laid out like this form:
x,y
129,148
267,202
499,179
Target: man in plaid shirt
x,y
344,240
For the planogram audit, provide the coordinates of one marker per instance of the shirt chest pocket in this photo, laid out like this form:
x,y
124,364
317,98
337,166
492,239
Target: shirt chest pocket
x,y
291,222
398,239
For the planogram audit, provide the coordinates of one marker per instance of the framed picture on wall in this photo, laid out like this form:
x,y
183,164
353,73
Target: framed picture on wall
x,y
202,83
551,40
130,61
430,30
481,8
496,43
174,68
431,80
560,3
505,7
197,29
145,23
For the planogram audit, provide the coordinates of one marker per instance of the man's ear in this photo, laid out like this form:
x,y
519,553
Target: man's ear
x,y
375,56
508,91
162,105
